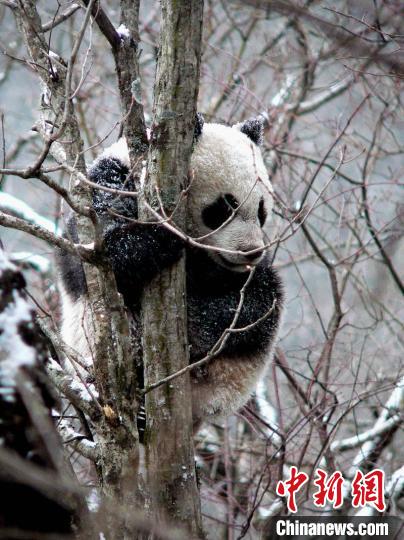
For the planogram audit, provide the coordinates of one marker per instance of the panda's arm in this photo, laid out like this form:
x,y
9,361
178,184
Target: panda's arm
x,y
212,312
137,252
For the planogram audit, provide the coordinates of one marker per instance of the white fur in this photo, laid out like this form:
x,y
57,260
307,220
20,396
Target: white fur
x,y
75,329
227,161
241,171
118,150
224,160
228,386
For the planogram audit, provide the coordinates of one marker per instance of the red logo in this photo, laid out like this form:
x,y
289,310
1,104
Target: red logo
x,y
368,489
329,489
290,487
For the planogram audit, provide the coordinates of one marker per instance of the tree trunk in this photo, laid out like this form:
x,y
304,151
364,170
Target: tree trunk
x,y
108,325
170,453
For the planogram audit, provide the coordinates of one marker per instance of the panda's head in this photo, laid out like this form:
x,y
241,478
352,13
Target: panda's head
x,y
230,197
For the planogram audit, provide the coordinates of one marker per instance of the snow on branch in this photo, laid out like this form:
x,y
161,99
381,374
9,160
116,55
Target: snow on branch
x,y
73,390
281,97
86,252
384,424
78,441
16,318
395,486
26,259
18,208
123,31
394,405
370,435
333,91
30,445
267,412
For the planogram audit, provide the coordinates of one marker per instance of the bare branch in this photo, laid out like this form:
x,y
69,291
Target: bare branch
x,y
339,33
85,252
103,22
74,391
88,449
358,440
46,27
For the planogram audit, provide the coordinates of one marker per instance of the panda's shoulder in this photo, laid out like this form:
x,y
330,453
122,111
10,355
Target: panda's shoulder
x,y
112,166
111,170
268,281
118,151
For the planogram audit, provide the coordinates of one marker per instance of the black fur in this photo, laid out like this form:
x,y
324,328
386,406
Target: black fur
x,y
70,266
213,294
254,129
262,213
219,211
199,121
138,252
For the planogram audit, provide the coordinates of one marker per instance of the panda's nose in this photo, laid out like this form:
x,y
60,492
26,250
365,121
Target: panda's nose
x,y
251,257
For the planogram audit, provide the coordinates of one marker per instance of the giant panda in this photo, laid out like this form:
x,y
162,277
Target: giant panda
x,y
230,199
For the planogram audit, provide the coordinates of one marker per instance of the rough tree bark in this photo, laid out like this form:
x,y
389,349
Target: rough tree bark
x,y
125,50
128,71
170,455
170,449
109,330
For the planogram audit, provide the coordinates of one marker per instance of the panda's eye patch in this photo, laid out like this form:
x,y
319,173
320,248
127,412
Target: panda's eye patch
x,y
231,201
262,213
218,212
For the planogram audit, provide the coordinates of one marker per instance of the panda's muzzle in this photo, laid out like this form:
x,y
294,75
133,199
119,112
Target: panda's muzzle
x,y
254,257
247,258
252,253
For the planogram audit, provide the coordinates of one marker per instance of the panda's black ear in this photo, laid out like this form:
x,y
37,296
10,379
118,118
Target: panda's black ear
x,y
199,121
253,128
